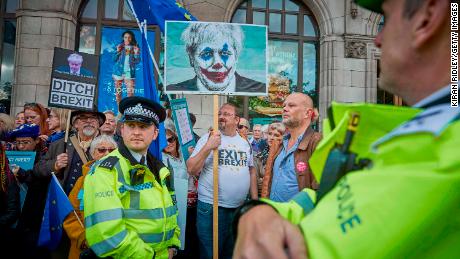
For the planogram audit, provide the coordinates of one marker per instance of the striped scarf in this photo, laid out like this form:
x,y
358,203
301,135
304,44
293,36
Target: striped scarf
x,y
5,174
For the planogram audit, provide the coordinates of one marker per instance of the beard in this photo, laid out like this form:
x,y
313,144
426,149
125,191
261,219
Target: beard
x,y
291,123
89,131
222,125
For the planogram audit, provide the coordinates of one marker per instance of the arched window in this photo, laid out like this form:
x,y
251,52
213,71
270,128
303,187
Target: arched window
x,y
293,53
7,50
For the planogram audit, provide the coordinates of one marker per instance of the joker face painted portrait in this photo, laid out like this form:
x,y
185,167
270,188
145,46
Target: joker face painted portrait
x,y
213,50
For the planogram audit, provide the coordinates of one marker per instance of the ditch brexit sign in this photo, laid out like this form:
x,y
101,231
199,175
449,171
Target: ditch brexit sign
x,y
73,80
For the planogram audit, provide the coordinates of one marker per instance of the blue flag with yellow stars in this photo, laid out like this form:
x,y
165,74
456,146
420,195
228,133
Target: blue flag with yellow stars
x,y
156,12
57,208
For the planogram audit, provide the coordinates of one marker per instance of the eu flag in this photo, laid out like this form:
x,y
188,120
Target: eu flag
x,y
156,12
151,93
57,208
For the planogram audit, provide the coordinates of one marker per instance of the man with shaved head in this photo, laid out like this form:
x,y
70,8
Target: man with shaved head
x,y
288,161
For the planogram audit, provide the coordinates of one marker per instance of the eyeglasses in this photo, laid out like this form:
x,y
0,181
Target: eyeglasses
x,y
225,114
242,126
26,142
103,150
171,139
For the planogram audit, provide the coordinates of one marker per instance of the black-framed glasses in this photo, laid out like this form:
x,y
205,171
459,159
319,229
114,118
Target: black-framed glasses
x,y
103,150
24,143
171,139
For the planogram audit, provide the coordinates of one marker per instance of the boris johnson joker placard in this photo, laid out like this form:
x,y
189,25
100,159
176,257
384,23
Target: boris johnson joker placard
x,y
216,58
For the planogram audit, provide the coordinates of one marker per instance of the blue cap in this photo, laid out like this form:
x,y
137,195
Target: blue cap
x,y
25,130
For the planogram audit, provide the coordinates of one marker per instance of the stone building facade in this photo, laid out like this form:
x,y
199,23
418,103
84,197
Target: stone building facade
x,y
346,57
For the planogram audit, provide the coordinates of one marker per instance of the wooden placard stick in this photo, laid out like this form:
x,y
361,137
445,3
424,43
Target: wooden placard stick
x,y
67,130
215,204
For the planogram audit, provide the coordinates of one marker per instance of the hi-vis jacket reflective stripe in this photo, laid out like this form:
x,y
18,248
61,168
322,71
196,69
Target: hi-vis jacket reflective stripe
x,y
129,221
406,205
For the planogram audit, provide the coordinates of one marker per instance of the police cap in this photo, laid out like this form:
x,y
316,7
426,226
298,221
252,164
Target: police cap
x,y
372,5
140,109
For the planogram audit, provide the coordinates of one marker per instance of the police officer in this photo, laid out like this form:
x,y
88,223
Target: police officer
x,y
405,203
129,209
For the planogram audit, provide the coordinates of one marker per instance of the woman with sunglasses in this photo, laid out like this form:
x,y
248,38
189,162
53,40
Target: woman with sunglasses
x,y
100,147
37,114
173,159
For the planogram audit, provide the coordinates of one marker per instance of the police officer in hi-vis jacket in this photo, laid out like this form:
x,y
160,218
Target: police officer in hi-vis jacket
x,y
128,198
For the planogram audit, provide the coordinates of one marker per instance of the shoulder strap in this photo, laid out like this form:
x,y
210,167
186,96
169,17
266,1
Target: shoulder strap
x,y
79,150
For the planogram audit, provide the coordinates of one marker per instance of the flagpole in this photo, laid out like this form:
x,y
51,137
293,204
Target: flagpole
x,y
144,31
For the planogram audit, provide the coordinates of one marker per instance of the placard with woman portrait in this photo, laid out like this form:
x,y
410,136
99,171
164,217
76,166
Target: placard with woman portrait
x,y
121,66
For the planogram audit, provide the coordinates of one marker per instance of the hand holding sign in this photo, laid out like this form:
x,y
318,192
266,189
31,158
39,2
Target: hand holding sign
x,y
62,160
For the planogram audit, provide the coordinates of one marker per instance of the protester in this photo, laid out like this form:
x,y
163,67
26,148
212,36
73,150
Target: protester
x,y
100,147
275,138
256,139
67,159
36,113
236,177
243,127
57,121
131,185
110,125
174,160
290,171
9,204
19,119
404,203
264,130
193,121
6,125
27,138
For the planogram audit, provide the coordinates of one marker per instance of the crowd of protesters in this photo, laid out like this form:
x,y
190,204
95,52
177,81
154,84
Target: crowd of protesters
x,y
261,164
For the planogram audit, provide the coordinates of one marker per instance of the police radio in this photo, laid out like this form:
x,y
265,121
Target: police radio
x,y
340,160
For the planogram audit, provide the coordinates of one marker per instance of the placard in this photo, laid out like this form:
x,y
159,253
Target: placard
x,y
23,159
73,80
215,58
183,125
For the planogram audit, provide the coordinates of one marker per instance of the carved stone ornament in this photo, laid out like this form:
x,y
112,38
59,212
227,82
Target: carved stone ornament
x,y
355,49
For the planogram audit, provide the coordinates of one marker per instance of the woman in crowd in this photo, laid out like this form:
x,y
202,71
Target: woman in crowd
x,y
126,59
26,138
9,204
100,146
174,160
57,124
19,119
6,126
274,138
37,114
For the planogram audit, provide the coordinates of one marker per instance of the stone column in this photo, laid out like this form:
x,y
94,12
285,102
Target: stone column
x,y
41,26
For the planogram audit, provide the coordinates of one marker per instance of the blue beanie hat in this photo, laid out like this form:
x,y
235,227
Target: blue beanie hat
x,y
25,130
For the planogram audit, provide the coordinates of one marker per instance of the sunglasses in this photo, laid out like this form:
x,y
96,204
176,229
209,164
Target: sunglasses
x,y
171,139
242,126
103,150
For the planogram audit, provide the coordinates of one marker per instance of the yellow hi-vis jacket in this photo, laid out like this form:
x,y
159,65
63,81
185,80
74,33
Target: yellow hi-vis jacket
x,y
404,205
125,220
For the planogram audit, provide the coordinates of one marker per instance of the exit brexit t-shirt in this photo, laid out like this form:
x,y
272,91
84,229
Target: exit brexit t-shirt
x,y
235,158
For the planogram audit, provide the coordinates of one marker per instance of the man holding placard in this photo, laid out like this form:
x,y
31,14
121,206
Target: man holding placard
x,y
236,178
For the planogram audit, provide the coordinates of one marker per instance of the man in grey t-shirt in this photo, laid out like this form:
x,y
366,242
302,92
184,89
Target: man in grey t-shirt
x,y
236,178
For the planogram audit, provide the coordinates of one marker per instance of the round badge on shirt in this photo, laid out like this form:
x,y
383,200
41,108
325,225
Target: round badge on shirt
x,y
301,166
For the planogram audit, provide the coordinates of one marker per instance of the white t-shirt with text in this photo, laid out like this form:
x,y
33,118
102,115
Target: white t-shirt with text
x,y
235,158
